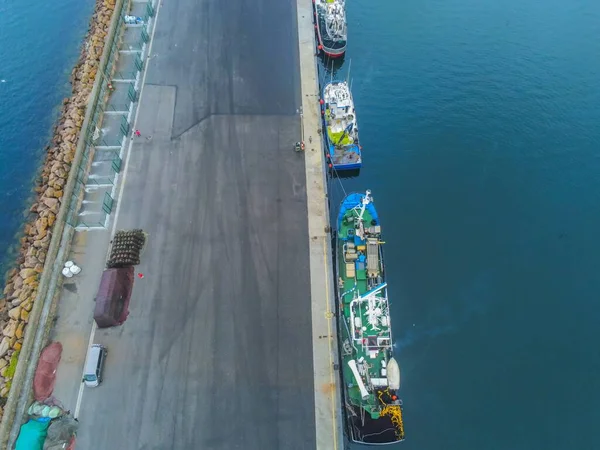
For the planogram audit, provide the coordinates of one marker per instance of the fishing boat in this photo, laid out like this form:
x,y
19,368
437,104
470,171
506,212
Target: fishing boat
x,y
341,129
370,374
331,26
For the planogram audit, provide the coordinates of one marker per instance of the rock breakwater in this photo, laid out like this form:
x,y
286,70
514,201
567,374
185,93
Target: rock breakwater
x,y
22,281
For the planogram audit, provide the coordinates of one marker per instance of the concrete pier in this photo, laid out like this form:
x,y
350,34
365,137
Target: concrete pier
x,y
325,354
230,342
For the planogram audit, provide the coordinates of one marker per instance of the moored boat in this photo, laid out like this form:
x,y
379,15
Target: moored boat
x,y
331,26
370,374
341,127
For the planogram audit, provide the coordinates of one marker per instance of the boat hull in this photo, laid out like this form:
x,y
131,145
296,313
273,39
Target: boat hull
x,y
334,53
370,432
343,166
330,52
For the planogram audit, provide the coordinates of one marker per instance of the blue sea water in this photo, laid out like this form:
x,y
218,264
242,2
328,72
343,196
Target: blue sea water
x,y
39,45
479,122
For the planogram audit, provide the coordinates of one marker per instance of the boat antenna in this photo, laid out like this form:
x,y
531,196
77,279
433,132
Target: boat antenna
x,y
365,201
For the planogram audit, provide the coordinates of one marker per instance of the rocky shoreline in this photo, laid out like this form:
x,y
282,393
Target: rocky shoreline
x,y
22,281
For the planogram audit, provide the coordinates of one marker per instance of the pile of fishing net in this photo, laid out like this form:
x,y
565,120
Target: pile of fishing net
x,y
127,245
45,410
49,428
33,434
61,433
45,373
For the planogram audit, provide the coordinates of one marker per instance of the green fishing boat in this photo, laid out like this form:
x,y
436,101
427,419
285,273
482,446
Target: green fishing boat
x,y
371,375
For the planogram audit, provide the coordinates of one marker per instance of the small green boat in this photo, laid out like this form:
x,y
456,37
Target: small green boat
x,y
371,375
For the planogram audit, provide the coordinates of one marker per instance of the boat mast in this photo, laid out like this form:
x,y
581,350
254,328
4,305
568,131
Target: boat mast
x,y
365,201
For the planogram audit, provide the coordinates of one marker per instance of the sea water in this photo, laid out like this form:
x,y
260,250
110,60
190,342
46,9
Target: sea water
x,y
39,45
480,127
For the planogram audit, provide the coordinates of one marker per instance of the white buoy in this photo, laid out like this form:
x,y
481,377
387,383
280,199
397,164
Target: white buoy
x,y
393,374
69,264
67,272
74,269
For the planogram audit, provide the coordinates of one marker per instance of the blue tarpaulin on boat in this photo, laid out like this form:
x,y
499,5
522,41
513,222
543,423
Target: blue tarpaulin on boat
x,y
352,201
32,435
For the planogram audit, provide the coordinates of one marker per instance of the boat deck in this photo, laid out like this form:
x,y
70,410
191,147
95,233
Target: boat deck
x,y
357,282
345,158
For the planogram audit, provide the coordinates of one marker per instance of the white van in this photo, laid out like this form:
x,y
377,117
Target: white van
x,y
94,364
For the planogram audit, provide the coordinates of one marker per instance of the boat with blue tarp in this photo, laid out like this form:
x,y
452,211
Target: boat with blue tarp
x,y
370,373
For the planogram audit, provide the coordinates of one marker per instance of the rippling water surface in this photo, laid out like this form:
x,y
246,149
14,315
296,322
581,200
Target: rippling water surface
x,y
480,124
39,44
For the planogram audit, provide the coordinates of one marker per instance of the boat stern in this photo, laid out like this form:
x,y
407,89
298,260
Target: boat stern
x,y
348,166
347,158
334,52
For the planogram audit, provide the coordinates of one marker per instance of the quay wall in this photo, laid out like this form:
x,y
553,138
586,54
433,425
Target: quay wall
x,y
27,284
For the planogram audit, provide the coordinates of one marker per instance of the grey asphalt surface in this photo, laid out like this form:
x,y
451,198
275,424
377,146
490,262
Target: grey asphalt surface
x,y
216,352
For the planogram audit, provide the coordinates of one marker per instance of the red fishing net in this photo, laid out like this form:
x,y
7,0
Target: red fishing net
x,y
45,373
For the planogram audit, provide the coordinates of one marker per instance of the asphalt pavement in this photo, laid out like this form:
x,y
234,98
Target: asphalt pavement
x,y
216,352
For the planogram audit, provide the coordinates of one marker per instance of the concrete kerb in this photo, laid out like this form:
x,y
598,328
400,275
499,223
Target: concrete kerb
x,y
35,336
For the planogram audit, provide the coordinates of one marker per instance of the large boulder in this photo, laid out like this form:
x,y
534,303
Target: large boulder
x,y
26,273
15,313
10,329
4,346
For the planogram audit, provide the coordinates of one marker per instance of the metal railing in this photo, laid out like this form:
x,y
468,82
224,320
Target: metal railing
x,y
94,136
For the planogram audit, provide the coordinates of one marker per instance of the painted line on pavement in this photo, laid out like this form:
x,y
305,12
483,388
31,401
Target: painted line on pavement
x,y
82,385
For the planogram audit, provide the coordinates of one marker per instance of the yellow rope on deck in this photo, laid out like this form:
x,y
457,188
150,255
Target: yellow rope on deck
x,y
395,413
